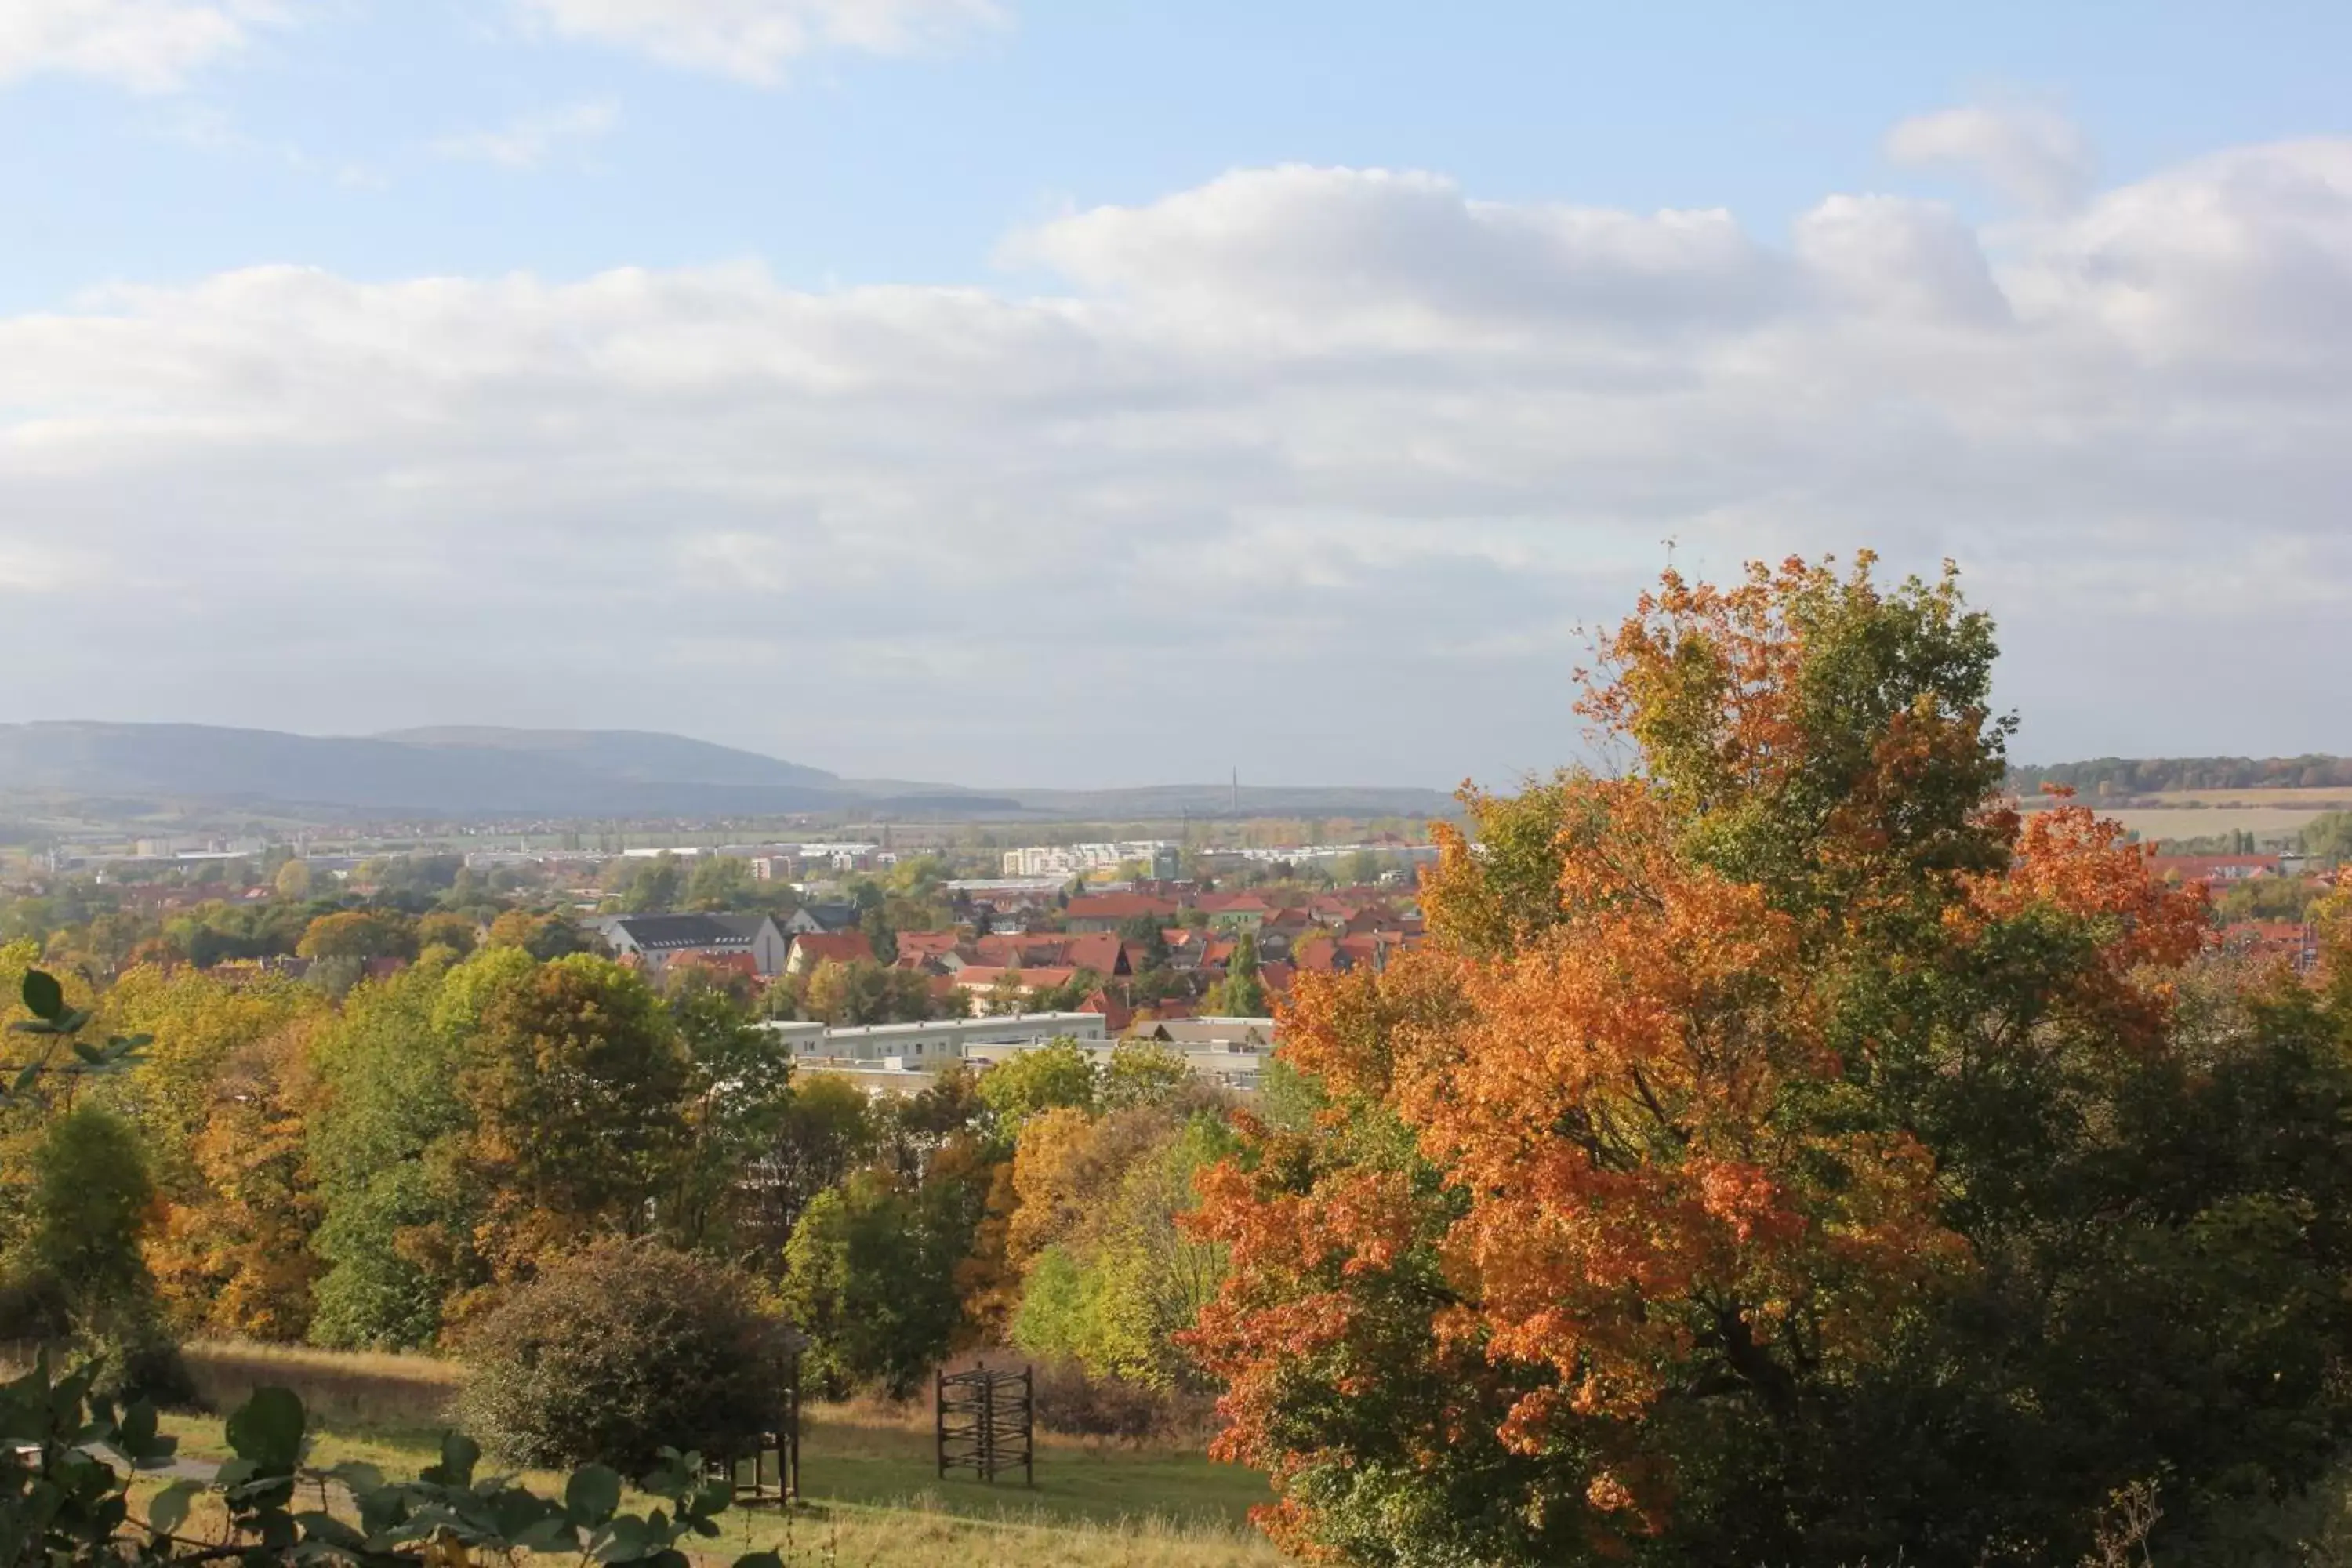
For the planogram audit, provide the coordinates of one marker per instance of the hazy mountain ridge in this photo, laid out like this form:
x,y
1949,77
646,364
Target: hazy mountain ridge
x,y
644,756
207,763
479,771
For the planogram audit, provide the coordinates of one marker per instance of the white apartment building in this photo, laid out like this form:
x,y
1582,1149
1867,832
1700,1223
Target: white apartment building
x,y
1069,859
938,1042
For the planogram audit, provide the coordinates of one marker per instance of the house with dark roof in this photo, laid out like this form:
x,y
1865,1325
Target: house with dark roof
x,y
649,942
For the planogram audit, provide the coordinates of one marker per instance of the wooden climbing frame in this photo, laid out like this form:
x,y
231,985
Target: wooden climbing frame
x,y
986,1423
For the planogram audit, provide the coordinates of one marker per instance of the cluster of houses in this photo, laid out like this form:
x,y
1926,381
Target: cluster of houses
x,y
2294,941
982,975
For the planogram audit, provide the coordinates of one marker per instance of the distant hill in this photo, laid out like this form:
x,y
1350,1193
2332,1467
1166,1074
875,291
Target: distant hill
x,y
643,756
2154,775
1158,802
478,771
586,774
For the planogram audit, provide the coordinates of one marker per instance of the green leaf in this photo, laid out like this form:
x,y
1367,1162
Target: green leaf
x,y
333,1532
90,1053
31,1027
627,1539
359,1477
759,1560
169,1511
137,1430
593,1496
44,997
27,1078
267,1429
553,1533
459,1455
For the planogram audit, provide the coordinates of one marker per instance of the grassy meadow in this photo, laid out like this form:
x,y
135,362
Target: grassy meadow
x,y
873,1498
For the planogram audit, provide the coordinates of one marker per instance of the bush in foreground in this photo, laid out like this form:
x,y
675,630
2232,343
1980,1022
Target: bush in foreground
x,y
619,1352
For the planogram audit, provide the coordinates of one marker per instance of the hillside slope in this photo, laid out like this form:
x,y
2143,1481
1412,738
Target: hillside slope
x,y
644,756
204,762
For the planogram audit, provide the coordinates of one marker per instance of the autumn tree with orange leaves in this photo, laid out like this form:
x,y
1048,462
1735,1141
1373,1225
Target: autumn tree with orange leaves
x,y
1787,1150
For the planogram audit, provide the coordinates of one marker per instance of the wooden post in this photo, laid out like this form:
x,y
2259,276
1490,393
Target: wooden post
x,y
987,1425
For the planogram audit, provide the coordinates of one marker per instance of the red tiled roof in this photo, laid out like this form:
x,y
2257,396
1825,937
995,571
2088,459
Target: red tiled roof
x,y
2212,867
1117,906
1115,1014
843,947
977,977
927,943
1321,956
1098,950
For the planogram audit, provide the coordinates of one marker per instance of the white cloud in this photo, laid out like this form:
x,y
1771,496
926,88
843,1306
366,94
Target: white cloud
x,y
1316,462
149,46
529,140
2035,156
755,40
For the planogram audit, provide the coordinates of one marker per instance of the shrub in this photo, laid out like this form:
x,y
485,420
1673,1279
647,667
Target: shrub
x,y
1077,1404
618,1351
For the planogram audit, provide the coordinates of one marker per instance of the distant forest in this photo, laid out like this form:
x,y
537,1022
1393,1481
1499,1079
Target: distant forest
x,y
2149,775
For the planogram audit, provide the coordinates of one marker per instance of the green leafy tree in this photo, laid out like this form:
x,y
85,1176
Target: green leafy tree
x,y
739,1100
2329,837
1058,1073
1145,937
386,1147
871,1284
458,933
1122,1278
876,924
360,934
575,1083
1143,1073
721,882
1242,995
827,1131
654,887
90,1207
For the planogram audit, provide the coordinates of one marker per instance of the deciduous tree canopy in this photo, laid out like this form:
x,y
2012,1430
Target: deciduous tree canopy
x,y
1781,1151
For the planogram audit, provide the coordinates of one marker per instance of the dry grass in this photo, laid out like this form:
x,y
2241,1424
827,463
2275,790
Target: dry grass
x,y
874,1501
2160,823
395,1393
917,1534
2316,799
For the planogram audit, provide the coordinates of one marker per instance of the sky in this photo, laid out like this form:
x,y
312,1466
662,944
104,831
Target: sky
x,y
1094,392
